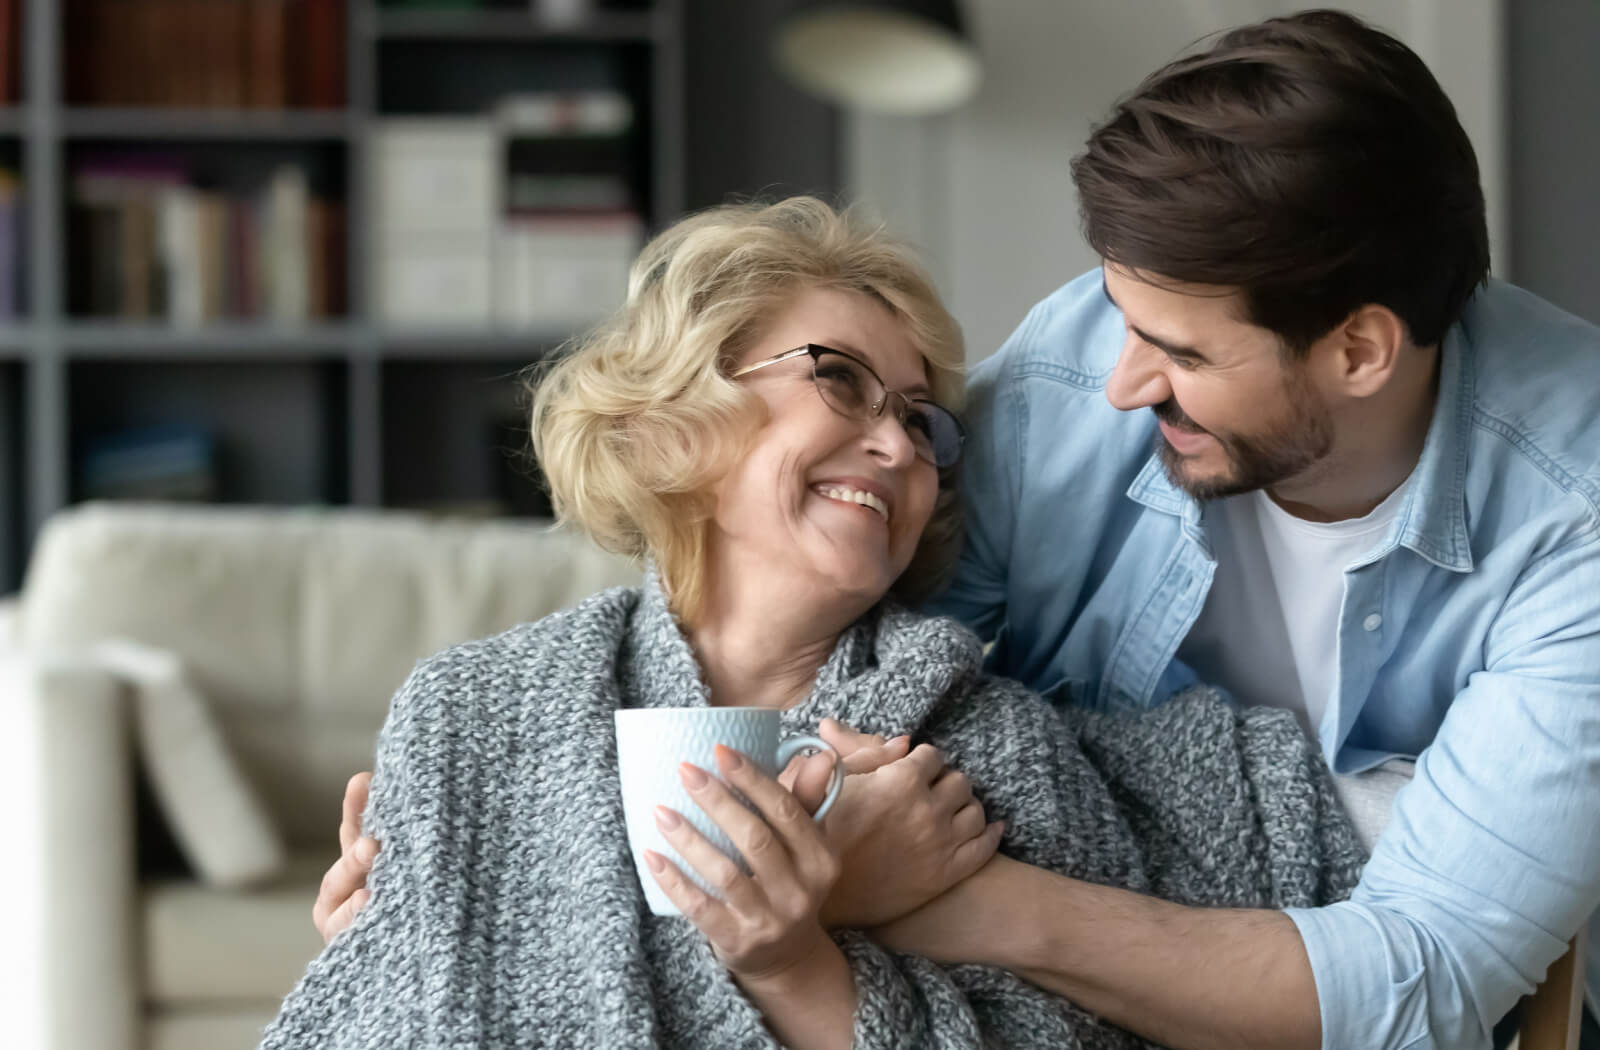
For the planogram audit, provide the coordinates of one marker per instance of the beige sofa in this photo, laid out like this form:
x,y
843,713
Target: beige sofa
x,y
243,659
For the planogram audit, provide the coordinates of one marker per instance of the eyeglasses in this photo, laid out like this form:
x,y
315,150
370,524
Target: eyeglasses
x,y
850,387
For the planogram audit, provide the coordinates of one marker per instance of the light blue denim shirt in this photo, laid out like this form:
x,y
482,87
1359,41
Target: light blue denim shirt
x,y
1469,638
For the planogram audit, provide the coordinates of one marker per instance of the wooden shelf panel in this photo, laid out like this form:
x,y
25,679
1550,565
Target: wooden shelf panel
x,y
445,24
507,344
92,339
15,339
95,122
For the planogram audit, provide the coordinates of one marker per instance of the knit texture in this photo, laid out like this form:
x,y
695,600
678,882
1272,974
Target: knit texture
x,y
506,911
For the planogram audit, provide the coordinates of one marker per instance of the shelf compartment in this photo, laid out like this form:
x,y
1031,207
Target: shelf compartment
x,y
278,426
455,438
199,232
257,54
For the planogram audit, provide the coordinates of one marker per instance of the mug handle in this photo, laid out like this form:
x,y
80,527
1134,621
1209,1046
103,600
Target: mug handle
x,y
794,745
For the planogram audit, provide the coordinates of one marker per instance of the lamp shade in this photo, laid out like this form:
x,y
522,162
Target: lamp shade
x,y
905,57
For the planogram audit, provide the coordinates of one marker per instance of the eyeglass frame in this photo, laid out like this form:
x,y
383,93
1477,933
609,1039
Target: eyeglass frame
x,y
813,349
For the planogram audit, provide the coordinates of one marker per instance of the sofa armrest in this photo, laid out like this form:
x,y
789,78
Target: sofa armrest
x,y
84,832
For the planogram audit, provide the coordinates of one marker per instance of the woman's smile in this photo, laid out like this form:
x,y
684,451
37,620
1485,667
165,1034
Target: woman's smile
x,y
857,492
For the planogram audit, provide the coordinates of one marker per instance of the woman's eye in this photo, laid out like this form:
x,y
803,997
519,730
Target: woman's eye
x,y
918,421
838,374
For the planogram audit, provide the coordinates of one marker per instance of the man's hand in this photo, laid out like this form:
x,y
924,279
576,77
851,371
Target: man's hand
x,y
344,888
807,776
906,827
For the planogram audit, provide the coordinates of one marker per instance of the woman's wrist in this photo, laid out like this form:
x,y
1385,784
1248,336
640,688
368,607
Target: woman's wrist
x,y
809,1004
817,957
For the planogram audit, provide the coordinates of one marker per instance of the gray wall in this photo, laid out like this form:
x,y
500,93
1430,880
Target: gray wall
x,y
1554,110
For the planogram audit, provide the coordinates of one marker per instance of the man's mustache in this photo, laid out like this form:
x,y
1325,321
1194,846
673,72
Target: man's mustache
x,y
1175,417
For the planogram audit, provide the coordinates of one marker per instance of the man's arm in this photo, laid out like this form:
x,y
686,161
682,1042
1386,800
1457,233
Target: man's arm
x,y
1490,864
1189,978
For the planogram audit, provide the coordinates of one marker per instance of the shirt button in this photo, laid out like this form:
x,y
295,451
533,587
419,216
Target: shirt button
x,y
1372,622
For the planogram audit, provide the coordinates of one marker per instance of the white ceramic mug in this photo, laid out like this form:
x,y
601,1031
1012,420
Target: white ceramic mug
x,y
653,741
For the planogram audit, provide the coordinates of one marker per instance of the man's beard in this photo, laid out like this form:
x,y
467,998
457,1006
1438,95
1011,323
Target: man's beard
x,y
1299,439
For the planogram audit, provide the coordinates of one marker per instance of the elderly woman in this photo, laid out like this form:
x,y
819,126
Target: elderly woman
x,y
770,421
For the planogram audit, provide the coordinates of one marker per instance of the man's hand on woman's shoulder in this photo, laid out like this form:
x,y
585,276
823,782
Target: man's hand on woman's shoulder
x,y
344,888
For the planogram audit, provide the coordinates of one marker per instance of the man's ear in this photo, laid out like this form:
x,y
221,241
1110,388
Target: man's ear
x,y
1365,349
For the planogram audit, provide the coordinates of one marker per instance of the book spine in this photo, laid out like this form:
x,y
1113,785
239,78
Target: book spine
x,y
325,54
264,54
8,51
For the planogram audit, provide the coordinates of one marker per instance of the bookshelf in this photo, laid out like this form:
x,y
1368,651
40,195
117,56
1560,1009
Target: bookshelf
x,y
335,402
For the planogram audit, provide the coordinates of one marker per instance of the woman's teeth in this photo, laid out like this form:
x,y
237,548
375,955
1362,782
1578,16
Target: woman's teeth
x,y
866,499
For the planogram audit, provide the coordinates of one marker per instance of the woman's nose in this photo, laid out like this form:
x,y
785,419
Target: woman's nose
x,y
1138,380
887,437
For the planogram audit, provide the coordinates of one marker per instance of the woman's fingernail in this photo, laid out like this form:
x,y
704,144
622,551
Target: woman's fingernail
x,y
667,819
693,775
366,849
728,758
656,862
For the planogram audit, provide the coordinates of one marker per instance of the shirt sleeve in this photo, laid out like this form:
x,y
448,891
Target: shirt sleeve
x,y
991,463
1492,859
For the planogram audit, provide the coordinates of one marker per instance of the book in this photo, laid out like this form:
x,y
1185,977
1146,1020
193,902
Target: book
x,y
9,51
220,54
264,59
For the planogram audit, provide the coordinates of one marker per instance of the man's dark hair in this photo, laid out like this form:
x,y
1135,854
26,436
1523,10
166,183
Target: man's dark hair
x,y
1310,161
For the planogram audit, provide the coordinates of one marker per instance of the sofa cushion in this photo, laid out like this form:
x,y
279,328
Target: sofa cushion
x,y
297,625
220,947
212,807
219,1028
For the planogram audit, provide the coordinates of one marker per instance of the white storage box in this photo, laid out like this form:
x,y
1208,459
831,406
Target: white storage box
x,y
437,175
553,272
434,280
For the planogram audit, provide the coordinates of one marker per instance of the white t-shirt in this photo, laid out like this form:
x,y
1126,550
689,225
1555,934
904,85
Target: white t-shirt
x,y
1269,631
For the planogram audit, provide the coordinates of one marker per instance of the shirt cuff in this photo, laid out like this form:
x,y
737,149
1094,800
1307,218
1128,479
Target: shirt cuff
x,y
1369,993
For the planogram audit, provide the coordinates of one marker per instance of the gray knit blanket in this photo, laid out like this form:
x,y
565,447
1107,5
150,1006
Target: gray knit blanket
x,y
506,911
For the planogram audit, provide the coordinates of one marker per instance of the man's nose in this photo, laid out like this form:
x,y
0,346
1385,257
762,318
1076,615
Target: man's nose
x,y
1138,380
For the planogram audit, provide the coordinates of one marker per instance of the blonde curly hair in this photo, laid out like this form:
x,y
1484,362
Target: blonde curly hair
x,y
638,421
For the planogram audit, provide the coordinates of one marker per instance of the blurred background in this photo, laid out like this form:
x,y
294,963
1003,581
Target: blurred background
x,y
296,253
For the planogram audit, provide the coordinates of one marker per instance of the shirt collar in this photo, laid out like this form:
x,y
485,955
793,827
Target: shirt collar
x,y
1433,519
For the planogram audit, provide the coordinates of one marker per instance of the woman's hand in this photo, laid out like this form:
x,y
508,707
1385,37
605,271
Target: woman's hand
x,y
344,888
766,923
906,830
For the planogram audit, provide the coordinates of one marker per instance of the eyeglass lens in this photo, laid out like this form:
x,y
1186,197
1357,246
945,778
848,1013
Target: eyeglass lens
x,y
851,390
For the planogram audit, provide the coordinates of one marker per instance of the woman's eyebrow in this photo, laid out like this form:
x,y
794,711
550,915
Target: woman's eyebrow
x,y
851,348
